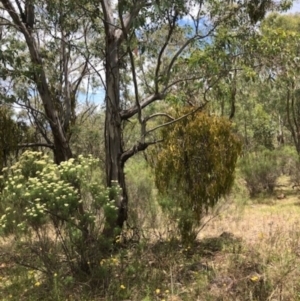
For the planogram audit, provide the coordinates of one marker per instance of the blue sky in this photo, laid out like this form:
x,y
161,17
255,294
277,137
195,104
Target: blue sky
x,y
295,8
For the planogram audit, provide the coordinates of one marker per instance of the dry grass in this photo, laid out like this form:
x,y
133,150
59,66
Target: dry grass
x,y
257,220
250,252
270,237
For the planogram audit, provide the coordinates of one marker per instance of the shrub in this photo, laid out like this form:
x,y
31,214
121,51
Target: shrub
x,y
260,171
287,159
290,162
57,212
295,174
143,210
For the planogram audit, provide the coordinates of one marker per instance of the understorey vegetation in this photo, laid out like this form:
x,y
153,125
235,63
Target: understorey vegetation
x,y
149,150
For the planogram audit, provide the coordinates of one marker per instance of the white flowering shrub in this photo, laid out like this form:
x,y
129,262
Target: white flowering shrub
x,y
64,205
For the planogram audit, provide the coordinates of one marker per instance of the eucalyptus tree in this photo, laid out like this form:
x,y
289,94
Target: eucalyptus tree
x,y
280,52
40,69
143,52
146,39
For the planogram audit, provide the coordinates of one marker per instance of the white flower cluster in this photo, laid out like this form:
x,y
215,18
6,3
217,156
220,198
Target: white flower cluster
x,y
35,187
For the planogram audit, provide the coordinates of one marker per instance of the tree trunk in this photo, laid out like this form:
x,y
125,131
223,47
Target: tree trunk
x,y
61,150
113,134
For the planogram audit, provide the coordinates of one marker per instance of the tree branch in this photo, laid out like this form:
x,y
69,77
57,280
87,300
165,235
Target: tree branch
x,y
133,72
158,115
189,41
65,71
83,73
177,119
25,145
135,149
182,48
138,5
170,32
126,114
14,15
108,15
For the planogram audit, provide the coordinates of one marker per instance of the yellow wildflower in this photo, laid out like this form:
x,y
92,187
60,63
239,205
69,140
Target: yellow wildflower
x,y
254,278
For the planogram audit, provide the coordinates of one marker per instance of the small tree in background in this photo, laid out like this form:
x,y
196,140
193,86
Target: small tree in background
x,y
261,170
195,168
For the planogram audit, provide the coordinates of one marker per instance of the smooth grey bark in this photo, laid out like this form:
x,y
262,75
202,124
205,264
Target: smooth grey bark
x,y
113,130
115,159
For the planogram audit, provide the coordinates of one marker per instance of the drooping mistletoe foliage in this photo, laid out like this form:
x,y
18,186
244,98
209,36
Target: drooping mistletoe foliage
x,y
59,209
195,167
